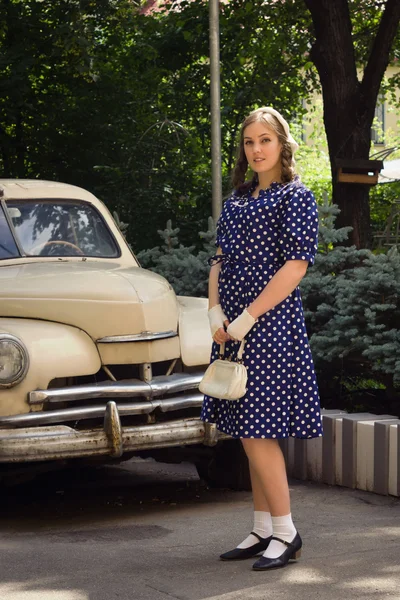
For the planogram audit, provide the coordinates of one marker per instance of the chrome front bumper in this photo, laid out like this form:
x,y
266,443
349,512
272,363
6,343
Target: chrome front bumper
x,y
60,441
163,393
46,432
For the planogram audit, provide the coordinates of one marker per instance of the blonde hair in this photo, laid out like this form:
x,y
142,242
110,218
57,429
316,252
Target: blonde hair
x,y
288,172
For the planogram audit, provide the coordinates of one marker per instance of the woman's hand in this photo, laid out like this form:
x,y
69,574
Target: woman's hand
x,y
217,318
241,326
220,336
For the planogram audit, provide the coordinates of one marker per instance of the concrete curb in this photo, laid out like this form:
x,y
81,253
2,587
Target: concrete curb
x,y
359,451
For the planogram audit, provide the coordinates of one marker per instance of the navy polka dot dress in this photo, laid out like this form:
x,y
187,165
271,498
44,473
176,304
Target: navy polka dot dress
x,y
257,236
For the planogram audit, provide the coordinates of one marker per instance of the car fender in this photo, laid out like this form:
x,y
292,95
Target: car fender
x,y
55,350
194,331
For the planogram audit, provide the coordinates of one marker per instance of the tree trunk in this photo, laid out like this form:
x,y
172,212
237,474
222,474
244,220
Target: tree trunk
x,y
349,137
353,201
349,104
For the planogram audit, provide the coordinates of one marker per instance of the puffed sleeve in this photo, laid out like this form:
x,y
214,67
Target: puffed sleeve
x,y
299,230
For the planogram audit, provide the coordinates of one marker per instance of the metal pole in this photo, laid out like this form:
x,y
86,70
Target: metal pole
x,y
215,110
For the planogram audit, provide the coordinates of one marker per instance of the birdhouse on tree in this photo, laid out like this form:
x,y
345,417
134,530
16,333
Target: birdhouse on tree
x,y
358,170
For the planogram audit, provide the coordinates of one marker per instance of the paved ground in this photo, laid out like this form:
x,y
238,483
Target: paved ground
x,y
145,531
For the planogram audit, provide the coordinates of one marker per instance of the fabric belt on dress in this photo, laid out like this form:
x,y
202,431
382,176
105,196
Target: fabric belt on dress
x,y
232,261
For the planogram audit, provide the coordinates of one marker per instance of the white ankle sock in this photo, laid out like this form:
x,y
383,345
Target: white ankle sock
x,y
282,528
262,526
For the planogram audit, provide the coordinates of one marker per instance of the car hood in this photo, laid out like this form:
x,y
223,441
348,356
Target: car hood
x,y
102,298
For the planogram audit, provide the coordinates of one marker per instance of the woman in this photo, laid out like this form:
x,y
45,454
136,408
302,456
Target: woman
x,y
266,238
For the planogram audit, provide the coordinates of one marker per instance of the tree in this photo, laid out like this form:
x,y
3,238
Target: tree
x,y
352,36
79,103
185,269
351,301
100,95
262,56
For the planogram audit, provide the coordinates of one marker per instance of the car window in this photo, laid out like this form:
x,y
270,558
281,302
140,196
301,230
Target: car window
x,y
61,228
8,247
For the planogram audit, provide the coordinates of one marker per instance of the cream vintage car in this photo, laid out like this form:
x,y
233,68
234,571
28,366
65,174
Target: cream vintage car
x,y
98,357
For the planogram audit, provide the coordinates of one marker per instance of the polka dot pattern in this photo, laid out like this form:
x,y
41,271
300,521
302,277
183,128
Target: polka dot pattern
x,y
258,236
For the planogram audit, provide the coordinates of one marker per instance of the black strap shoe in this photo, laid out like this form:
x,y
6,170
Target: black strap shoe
x,y
242,553
292,552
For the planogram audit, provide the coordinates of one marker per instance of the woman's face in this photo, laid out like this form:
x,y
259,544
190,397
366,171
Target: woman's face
x,y
262,149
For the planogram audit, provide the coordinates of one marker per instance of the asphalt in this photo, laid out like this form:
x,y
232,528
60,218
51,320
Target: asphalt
x,y
146,531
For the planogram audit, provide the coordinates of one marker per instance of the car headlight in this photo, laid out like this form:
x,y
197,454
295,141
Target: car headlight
x,y
14,360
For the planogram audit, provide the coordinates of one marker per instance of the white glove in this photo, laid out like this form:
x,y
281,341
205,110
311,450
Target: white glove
x,y
216,316
241,326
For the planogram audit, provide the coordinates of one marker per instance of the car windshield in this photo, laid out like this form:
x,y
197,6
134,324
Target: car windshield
x,y
60,228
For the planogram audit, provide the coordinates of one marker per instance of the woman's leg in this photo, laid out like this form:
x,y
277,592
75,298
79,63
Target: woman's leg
x,y
262,524
268,464
268,472
259,500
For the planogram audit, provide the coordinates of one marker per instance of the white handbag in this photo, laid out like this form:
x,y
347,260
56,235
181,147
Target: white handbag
x,y
225,378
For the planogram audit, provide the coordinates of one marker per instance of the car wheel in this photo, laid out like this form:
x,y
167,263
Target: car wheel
x,y
228,467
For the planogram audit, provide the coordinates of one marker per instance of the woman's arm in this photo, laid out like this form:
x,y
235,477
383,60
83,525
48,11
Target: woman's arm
x,y
299,240
220,336
213,296
278,289
285,280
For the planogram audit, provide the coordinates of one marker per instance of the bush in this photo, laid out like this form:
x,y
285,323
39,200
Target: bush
x,y
352,307
351,302
184,267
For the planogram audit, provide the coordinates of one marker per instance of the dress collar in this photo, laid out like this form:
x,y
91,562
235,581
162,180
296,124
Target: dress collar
x,y
273,186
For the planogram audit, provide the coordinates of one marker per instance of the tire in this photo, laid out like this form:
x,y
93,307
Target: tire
x,y
227,468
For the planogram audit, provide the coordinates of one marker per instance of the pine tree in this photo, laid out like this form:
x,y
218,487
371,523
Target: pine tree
x,y
318,288
352,308
351,302
186,270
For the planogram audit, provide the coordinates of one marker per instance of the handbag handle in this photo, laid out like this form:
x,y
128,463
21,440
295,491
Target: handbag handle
x,y
239,352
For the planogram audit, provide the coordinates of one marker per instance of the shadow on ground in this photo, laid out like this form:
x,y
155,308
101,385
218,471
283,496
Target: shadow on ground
x,y
148,531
